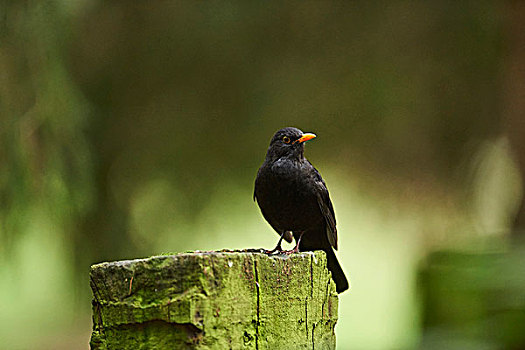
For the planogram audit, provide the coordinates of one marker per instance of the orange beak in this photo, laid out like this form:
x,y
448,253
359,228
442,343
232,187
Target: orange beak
x,y
305,137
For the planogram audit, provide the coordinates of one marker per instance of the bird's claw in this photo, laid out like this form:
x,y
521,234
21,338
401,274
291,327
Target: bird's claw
x,y
291,251
276,250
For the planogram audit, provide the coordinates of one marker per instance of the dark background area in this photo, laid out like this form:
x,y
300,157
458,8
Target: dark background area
x,y
129,129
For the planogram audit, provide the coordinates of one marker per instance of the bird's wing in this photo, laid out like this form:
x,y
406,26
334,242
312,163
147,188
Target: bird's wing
x,y
327,209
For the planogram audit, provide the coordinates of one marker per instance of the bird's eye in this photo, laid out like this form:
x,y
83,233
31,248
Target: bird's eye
x,y
286,139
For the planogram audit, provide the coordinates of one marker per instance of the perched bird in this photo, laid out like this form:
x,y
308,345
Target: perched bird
x,y
293,198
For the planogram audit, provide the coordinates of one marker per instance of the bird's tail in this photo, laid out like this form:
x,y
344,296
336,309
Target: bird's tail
x,y
341,283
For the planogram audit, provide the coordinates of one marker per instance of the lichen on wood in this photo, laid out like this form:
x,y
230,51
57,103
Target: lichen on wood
x,y
214,300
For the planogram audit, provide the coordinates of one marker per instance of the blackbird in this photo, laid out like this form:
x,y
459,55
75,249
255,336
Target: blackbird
x,y
293,198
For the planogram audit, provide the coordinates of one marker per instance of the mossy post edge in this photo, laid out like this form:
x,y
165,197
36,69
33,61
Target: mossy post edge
x,y
214,300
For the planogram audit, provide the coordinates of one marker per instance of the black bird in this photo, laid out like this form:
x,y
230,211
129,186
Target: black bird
x,y
293,198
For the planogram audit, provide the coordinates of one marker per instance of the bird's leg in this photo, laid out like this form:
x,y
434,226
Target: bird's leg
x,y
296,248
278,246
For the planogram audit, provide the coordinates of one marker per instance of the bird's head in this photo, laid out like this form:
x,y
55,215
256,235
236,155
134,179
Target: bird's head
x,y
288,142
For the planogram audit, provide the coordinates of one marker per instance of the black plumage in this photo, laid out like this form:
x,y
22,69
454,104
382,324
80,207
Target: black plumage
x,y
294,199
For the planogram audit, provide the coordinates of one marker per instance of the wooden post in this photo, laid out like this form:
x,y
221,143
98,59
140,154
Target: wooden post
x,y
214,300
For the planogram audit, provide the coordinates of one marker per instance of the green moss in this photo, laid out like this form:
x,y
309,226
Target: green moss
x,y
214,300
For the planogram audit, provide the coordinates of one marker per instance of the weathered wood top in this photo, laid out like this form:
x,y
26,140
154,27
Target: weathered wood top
x,y
214,300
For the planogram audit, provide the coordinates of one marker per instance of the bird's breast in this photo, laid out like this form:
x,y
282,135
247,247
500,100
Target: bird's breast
x,y
284,196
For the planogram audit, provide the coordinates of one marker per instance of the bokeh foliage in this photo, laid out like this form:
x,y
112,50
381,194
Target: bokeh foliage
x,y
131,128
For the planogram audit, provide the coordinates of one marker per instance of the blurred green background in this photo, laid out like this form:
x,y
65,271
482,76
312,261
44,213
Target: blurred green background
x,y
130,129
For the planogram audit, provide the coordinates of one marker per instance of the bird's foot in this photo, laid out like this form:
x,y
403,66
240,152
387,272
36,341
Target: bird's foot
x,y
291,251
276,250
296,248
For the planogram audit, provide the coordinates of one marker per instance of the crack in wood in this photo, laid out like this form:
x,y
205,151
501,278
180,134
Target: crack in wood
x,y
311,276
97,296
258,303
306,316
326,296
313,338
